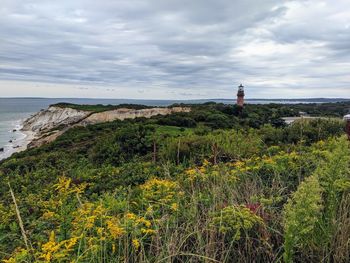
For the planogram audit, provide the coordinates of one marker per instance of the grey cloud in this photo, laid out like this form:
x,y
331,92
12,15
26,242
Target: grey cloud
x,y
176,44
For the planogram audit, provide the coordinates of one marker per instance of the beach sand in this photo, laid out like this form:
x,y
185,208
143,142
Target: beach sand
x,y
18,145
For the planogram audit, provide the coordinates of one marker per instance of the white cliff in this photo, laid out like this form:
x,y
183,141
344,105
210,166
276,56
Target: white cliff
x,y
47,125
53,117
123,113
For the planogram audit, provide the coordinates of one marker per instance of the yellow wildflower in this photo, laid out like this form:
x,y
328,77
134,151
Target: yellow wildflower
x,y
158,190
239,164
70,243
63,184
19,256
136,244
206,162
269,161
144,221
202,169
174,206
49,248
48,215
100,231
191,172
131,216
148,231
115,230
149,209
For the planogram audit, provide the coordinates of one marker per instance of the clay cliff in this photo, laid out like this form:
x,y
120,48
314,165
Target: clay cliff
x,y
48,124
53,117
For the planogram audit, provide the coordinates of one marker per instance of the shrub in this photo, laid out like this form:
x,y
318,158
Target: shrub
x,y
302,213
234,221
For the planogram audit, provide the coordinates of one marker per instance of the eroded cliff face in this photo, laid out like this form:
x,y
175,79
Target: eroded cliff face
x,y
52,118
123,113
48,124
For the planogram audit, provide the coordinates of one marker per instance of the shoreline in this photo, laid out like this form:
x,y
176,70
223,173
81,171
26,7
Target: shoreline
x,y
18,145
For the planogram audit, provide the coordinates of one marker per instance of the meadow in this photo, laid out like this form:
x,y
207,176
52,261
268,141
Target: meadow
x,y
218,184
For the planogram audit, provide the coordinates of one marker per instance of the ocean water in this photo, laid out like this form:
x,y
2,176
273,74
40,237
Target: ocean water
x,y
13,111
12,114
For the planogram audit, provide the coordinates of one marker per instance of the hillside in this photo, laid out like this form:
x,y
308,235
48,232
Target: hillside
x,y
46,125
213,184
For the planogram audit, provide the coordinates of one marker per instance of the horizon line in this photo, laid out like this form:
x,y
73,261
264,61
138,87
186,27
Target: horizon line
x,y
94,98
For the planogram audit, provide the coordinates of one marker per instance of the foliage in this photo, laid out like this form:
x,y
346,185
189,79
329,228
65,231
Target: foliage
x,y
302,213
236,220
212,185
312,215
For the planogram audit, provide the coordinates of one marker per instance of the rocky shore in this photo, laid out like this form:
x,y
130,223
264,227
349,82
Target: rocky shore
x,y
17,145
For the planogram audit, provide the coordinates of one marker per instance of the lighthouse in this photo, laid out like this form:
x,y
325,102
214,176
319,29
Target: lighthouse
x,y
347,119
240,96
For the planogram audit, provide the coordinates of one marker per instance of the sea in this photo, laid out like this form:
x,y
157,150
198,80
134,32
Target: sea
x,y
13,111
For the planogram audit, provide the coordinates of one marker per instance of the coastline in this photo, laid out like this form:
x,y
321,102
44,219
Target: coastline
x,y
29,137
18,145
42,124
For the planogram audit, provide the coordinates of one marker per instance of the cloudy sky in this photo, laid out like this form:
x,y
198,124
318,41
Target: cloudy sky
x,y
164,49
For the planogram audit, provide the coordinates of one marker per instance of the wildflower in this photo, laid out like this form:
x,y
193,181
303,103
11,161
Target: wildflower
x,y
149,209
191,172
206,163
63,184
100,230
144,221
20,253
269,161
48,215
174,207
131,216
239,164
235,220
49,248
80,189
114,229
160,192
148,231
136,244
215,173
70,243
90,221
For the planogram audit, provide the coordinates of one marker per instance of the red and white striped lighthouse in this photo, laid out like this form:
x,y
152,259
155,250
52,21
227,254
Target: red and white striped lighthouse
x,y
347,119
240,96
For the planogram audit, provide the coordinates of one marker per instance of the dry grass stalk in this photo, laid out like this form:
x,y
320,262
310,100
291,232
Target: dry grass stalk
x,y
19,219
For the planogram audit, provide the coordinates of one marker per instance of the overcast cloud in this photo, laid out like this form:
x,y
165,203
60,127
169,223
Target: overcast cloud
x,y
175,48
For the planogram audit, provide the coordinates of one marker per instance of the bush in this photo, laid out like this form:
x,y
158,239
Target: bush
x,y
235,221
302,213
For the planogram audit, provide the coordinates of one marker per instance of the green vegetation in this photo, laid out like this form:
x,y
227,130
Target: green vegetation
x,y
338,109
99,107
217,184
